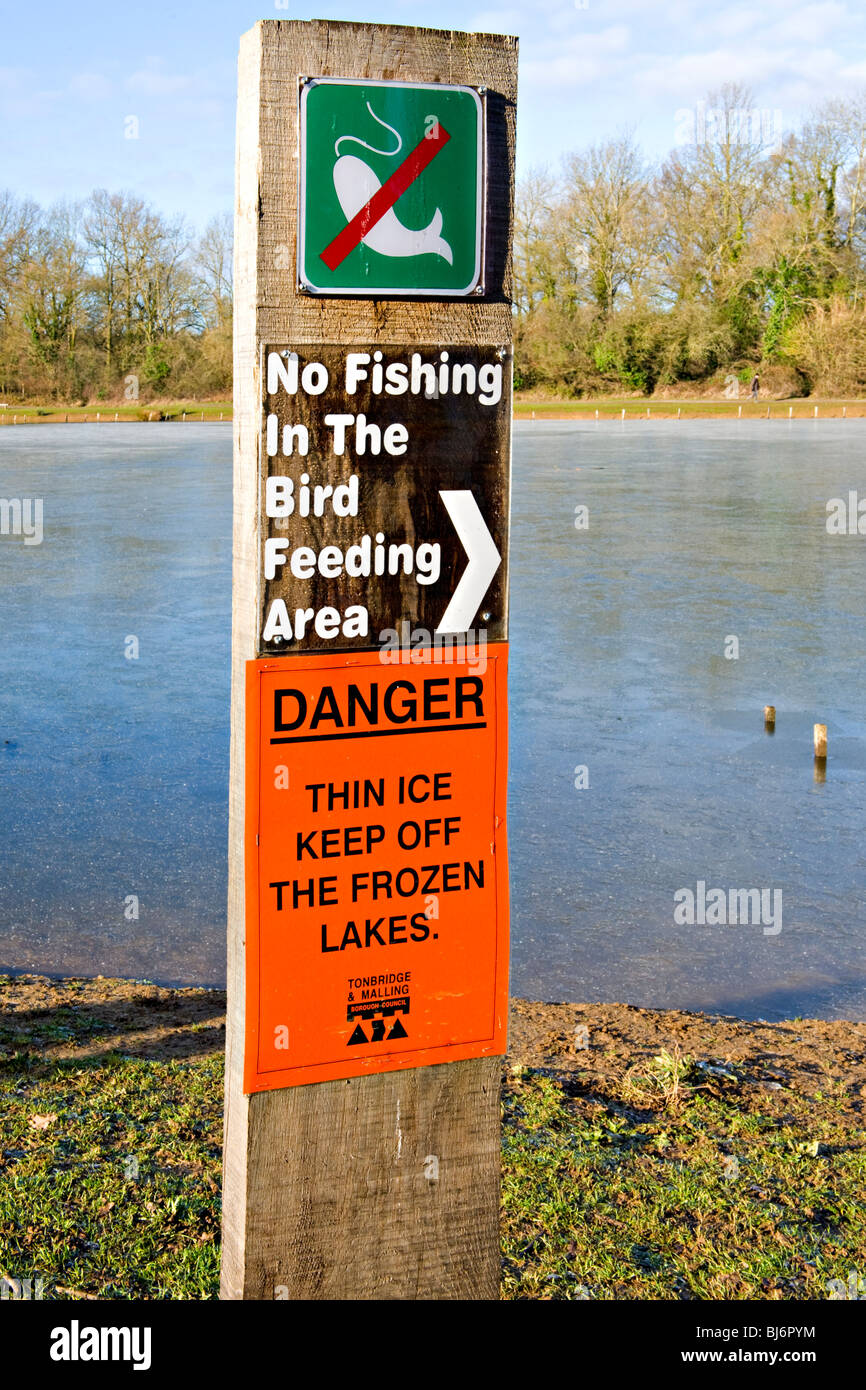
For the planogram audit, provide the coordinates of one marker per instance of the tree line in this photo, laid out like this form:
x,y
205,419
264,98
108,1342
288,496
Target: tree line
x,y
743,250
107,298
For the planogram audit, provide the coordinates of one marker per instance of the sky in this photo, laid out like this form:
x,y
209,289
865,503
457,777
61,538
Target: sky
x,y
124,95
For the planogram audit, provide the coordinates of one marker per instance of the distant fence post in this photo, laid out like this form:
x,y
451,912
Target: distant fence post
x,y
367,872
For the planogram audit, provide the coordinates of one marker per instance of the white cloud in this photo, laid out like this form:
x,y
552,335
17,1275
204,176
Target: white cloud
x,y
810,24
733,21
498,21
22,99
763,68
581,59
90,86
151,81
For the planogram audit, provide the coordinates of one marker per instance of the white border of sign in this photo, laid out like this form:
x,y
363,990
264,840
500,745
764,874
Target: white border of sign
x,y
476,285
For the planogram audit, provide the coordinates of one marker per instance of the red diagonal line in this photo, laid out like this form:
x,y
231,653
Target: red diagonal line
x,y
385,197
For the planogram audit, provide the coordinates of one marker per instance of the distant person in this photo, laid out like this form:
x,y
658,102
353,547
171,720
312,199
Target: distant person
x,y
755,387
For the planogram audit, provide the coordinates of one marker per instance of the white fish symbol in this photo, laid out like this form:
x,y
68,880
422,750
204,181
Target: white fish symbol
x,y
355,183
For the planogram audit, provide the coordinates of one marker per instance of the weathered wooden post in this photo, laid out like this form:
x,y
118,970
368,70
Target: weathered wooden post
x,y
367,968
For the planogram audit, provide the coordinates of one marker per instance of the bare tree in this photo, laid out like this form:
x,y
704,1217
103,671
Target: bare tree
x,y
604,227
18,221
104,243
213,259
52,286
709,195
167,299
534,249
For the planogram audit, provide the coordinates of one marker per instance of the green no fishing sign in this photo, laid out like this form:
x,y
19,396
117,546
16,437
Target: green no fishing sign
x,y
391,197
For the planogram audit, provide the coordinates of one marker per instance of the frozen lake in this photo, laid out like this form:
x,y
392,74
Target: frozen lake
x,y
113,772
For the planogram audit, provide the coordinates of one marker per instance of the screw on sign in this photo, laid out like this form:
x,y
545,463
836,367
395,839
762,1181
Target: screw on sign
x,y
397,794
391,188
382,502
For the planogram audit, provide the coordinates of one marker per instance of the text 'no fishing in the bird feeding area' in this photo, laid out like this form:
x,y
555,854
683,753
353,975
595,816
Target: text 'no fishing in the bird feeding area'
x,y
384,494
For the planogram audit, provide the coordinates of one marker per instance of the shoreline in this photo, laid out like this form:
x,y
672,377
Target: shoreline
x,y
541,1034
620,409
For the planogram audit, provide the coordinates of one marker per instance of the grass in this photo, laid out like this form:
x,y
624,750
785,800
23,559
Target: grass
x,y
109,1176
611,407
700,1194
525,408
673,1179
211,411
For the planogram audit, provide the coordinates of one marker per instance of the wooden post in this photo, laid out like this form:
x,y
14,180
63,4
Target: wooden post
x,y
382,1185
820,739
770,718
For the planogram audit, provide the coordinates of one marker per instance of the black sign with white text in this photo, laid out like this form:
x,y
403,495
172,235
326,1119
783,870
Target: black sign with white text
x,y
384,496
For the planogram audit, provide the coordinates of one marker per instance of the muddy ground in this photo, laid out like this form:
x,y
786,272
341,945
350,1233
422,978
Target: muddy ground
x,y
598,1042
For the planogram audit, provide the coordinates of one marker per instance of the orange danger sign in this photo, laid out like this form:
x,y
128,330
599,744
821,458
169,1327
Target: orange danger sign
x,y
376,871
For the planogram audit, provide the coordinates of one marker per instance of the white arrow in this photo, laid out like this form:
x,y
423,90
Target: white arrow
x,y
484,561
